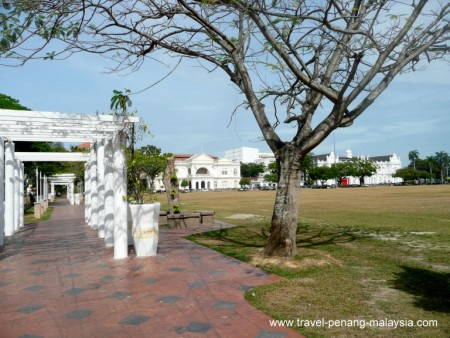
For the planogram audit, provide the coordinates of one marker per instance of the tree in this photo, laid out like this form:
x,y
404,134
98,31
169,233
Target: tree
x,y
413,156
322,174
343,169
244,181
363,168
273,173
7,102
299,61
155,162
442,161
430,162
184,183
252,169
409,174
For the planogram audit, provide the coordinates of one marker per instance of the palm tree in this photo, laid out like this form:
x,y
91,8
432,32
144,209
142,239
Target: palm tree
x,y
430,162
442,160
413,156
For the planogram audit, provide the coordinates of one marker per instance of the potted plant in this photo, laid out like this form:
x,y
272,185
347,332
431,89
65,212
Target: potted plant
x,y
143,209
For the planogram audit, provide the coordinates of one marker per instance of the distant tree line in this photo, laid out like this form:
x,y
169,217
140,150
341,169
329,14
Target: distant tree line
x,y
433,168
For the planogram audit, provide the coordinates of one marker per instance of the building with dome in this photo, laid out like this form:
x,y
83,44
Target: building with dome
x,y
205,172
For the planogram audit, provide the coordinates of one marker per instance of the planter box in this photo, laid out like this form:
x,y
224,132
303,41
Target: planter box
x,y
206,217
184,220
37,210
163,217
143,225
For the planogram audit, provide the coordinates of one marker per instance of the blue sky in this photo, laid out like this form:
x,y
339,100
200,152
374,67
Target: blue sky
x,y
190,111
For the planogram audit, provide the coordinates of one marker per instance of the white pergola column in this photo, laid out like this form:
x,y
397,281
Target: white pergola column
x,y
101,187
16,195
9,189
21,193
71,188
2,190
52,190
120,199
37,185
109,194
94,192
45,187
87,193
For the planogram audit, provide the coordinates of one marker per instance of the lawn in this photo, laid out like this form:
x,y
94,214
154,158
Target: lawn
x,y
369,259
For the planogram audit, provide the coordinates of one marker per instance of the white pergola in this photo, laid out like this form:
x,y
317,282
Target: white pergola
x,y
65,180
105,169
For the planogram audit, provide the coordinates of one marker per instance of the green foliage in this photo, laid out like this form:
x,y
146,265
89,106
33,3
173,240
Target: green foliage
x,y
147,163
7,102
271,178
244,181
184,183
410,174
321,174
252,169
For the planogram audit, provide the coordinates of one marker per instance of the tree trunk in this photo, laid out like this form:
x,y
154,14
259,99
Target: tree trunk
x,y
171,186
283,231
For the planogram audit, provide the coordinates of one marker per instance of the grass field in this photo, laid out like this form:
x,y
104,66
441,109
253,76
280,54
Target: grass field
x,y
365,254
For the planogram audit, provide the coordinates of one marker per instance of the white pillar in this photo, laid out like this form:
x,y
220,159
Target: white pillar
x,y
94,191
2,191
87,193
46,187
70,189
16,195
9,189
21,193
101,187
37,185
120,199
109,194
52,190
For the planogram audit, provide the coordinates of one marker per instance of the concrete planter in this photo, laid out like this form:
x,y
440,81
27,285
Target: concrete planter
x,y
206,217
37,210
163,217
143,225
77,199
184,220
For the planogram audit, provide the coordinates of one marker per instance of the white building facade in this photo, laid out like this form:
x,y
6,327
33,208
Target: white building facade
x,y
386,165
253,155
249,155
205,172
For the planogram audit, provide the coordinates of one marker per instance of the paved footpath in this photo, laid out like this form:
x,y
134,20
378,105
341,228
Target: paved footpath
x,y
58,280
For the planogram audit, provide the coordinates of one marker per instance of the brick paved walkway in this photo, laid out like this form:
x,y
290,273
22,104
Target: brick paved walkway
x,y
58,280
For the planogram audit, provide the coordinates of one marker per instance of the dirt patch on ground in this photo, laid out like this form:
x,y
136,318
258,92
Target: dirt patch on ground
x,y
244,216
320,259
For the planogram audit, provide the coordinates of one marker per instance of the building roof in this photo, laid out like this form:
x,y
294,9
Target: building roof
x,y
383,158
185,157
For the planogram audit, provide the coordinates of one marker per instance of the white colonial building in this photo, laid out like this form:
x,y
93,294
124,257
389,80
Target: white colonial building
x,y
252,155
386,165
249,155
205,172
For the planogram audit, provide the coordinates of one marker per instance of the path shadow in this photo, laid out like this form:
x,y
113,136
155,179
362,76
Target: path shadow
x,y
14,244
430,288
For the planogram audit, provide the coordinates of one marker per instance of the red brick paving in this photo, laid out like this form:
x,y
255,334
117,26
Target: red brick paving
x,y
58,280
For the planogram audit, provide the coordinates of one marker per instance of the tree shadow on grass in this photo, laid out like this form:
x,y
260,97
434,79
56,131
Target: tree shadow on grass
x,y
335,235
245,237
430,288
